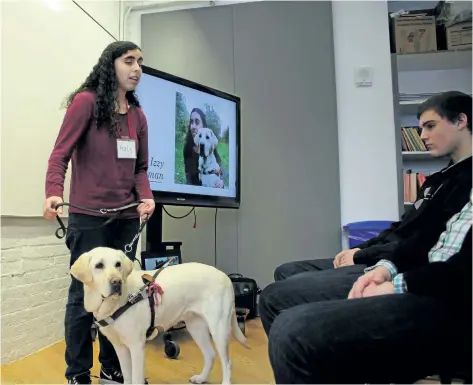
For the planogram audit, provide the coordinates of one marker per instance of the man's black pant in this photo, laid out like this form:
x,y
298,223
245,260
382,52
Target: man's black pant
x,y
316,335
78,322
289,269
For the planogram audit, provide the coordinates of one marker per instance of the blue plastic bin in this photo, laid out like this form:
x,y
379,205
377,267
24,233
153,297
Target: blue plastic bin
x,y
359,232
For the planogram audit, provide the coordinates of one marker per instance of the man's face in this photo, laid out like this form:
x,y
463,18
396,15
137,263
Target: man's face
x,y
440,136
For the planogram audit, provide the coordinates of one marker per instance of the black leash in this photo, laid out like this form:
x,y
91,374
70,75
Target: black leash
x,y
62,230
117,210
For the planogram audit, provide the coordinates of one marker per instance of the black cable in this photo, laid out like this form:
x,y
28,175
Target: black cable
x,y
182,217
96,22
215,238
195,223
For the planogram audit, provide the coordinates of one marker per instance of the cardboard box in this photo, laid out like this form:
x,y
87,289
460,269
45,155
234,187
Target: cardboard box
x,y
415,33
459,36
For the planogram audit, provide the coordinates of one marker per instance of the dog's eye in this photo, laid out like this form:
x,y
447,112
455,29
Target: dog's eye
x,y
207,137
200,135
99,265
118,264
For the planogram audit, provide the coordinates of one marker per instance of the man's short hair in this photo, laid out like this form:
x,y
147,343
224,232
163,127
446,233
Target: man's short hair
x,y
448,105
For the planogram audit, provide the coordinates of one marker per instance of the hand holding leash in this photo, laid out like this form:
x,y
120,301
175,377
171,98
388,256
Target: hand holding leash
x,y
146,208
51,207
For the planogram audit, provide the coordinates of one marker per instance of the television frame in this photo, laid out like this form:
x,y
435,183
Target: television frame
x,y
199,200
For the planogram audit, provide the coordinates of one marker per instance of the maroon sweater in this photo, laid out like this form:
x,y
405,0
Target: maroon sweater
x,y
99,179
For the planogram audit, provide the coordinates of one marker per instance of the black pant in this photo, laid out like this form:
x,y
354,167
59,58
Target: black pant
x,y
78,322
289,269
316,335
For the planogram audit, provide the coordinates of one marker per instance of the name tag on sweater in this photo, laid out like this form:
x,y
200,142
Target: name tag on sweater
x,y
126,149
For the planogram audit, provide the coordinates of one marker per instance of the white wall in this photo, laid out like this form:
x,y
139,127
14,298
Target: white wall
x,y
42,64
368,171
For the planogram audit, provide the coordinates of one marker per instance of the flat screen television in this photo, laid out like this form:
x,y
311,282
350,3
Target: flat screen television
x,y
194,141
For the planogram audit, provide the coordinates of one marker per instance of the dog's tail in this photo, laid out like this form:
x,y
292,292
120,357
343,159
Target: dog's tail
x,y
237,333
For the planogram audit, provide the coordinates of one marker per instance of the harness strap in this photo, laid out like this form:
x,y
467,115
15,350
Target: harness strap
x,y
132,300
152,305
145,291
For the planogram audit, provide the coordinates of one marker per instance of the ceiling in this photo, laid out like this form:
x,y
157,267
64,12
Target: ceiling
x,y
173,4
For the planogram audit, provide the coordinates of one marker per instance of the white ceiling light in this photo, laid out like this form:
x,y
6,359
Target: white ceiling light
x,y
55,5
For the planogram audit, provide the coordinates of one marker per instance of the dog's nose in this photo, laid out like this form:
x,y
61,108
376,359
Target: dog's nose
x,y
116,284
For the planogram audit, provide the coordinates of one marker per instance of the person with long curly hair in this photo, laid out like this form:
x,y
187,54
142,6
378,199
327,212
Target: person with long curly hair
x,y
105,135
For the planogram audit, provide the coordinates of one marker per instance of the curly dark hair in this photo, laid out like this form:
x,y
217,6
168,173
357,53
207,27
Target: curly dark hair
x,y
103,81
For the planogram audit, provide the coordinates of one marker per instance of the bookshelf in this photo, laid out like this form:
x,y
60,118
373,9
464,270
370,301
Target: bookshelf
x,y
434,61
415,155
415,77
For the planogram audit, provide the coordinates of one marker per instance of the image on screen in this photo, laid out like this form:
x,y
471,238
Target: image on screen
x,y
155,263
192,138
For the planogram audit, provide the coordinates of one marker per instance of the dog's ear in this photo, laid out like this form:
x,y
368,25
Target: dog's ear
x,y
80,270
127,265
214,140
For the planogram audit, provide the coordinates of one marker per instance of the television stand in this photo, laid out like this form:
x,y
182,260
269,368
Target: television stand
x,y
155,254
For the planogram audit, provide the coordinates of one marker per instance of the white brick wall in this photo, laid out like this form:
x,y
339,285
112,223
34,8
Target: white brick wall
x,y
34,283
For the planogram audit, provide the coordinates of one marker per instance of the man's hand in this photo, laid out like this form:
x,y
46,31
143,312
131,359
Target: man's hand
x,y
373,290
345,258
146,208
49,207
377,276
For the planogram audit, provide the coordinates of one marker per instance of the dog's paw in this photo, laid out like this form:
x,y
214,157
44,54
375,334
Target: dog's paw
x,y
197,379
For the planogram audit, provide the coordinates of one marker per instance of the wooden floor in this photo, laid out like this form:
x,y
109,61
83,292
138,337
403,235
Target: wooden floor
x,y
249,366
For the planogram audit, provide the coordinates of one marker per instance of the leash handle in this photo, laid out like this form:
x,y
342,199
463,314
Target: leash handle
x,y
62,230
62,227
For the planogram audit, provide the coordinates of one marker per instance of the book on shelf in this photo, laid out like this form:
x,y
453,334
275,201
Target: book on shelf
x,y
411,140
412,183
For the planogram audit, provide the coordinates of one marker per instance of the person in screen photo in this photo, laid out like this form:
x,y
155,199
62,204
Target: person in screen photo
x,y
191,151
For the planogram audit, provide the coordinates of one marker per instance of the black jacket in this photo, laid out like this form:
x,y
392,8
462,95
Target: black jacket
x,y
442,195
449,281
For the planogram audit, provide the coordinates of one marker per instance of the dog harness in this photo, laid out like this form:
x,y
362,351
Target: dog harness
x,y
149,290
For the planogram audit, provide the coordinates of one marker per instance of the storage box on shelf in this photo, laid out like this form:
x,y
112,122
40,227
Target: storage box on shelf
x,y
459,36
415,33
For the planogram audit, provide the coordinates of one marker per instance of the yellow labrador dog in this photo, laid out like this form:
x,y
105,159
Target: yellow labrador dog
x,y
200,295
206,141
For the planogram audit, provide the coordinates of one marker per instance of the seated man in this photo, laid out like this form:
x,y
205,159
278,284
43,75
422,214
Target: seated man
x,y
320,322
393,328
442,134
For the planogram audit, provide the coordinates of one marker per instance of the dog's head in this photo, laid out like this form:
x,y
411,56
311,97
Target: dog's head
x,y
206,141
103,270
